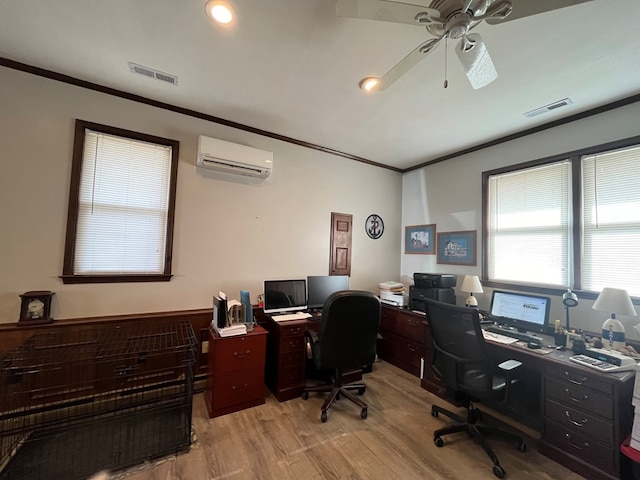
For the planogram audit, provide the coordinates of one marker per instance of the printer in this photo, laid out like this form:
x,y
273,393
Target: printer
x,y
433,286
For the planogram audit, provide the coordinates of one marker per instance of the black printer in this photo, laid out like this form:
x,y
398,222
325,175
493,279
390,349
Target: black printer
x,y
434,286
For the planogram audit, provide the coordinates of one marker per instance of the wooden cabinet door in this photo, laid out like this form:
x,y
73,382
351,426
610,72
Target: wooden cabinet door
x,y
340,261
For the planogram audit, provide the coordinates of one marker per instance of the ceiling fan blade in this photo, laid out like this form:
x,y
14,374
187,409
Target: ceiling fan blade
x,y
475,60
526,8
385,10
407,63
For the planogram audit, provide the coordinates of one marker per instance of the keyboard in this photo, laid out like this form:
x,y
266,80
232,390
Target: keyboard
x,y
496,337
600,365
291,316
525,337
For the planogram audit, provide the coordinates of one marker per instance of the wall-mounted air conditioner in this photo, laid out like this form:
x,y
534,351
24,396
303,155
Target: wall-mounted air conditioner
x,y
234,158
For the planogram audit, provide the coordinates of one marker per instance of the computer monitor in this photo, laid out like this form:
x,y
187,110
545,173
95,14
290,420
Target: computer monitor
x,y
320,287
285,295
527,313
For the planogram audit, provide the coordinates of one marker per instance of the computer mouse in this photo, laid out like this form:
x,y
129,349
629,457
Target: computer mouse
x,y
533,345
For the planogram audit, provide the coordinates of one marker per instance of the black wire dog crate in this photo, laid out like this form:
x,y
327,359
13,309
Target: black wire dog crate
x,y
75,402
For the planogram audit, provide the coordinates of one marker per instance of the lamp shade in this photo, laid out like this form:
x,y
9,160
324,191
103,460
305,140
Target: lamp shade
x,y
615,301
471,284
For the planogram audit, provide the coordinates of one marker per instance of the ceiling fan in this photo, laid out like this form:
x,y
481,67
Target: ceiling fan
x,y
446,19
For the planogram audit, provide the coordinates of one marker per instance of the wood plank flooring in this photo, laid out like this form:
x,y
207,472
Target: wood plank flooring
x,y
282,441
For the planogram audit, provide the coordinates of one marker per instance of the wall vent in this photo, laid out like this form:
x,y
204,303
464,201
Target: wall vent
x,y
547,108
152,73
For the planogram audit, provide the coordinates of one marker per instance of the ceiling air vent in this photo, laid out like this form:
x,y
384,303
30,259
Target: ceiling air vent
x,y
152,73
547,108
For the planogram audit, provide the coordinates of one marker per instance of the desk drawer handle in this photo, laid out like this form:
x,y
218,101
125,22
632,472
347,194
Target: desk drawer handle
x,y
411,348
413,323
242,355
295,330
575,399
578,423
581,381
241,389
579,447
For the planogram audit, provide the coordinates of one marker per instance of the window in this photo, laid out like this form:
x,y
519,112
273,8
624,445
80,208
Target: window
x,y
121,206
571,221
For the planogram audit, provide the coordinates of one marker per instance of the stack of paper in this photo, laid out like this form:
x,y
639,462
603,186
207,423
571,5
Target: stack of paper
x,y
391,286
237,329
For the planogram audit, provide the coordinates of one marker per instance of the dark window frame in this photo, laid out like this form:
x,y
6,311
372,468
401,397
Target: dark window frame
x,y
575,157
68,276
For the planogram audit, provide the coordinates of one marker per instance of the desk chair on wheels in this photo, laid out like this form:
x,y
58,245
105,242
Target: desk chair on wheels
x,y
346,339
462,362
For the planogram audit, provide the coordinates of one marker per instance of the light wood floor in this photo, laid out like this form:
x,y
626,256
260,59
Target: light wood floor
x,y
283,441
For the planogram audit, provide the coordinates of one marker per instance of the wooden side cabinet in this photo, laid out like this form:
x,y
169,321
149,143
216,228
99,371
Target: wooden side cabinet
x,y
402,341
235,375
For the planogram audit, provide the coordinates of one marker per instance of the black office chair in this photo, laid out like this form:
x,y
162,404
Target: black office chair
x,y
346,339
461,360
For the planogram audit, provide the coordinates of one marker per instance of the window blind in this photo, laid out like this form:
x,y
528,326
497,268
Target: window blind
x,y
611,225
123,206
529,225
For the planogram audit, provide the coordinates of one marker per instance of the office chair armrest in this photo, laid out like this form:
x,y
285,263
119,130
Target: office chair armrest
x,y
311,336
509,365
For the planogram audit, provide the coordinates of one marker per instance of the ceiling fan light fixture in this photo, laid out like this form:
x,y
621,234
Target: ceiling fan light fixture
x,y
220,12
475,61
369,84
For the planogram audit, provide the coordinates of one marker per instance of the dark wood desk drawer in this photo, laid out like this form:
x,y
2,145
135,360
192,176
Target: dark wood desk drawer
x,y
289,359
402,352
231,388
292,344
585,448
238,353
290,376
579,397
577,421
579,377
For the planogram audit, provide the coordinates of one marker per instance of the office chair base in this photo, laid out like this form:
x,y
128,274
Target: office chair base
x,y
478,432
336,392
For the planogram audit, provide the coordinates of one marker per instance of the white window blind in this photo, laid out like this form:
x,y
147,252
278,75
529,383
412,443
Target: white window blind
x,y
611,225
123,206
529,225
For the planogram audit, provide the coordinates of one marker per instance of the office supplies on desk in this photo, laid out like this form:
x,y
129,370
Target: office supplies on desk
x,y
602,365
496,337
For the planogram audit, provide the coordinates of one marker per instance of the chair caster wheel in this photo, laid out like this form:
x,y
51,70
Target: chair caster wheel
x,y
522,446
438,441
305,395
363,413
361,391
434,412
498,471
323,417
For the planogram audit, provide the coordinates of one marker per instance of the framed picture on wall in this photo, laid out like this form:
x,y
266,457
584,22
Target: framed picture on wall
x,y
457,248
420,239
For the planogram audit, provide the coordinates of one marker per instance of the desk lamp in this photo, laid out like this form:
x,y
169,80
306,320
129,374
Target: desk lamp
x,y
569,299
616,301
471,284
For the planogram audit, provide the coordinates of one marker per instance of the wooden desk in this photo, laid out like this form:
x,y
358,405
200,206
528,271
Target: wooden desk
x,y
286,356
583,415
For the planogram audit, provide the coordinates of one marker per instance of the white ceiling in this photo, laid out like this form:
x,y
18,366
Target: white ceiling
x,y
292,67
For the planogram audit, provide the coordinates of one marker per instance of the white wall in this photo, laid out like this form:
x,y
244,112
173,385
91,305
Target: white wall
x,y
229,234
449,194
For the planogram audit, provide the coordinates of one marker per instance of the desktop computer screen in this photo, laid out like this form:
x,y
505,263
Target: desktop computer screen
x,y
285,295
320,287
527,313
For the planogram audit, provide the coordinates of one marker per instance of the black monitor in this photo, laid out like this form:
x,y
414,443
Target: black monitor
x,y
527,313
320,287
285,295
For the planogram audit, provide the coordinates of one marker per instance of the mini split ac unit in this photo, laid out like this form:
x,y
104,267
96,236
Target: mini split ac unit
x,y
233,158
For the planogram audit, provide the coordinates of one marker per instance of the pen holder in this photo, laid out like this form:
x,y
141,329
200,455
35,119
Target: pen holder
x,y
561,339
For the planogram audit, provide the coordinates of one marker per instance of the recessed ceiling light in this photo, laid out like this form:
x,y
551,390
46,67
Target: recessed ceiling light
x,y
220,11
370,84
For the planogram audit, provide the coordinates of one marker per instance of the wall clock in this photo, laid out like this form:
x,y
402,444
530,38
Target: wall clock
x,y
374,226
